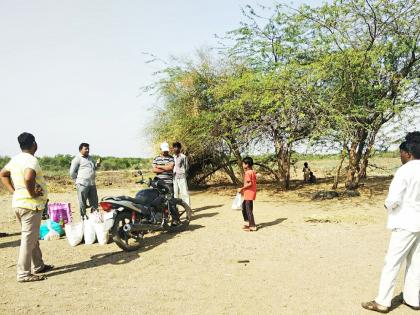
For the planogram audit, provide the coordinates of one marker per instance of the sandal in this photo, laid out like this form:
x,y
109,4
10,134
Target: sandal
x,y
415,308
373,306
32,278
245,227
45,269
251,229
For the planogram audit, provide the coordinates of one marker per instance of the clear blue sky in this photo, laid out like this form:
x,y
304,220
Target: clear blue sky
x,y
70,70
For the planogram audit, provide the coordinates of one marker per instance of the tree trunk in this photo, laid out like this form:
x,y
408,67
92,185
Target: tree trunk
x,y
339,166
350,180
283,155
366,155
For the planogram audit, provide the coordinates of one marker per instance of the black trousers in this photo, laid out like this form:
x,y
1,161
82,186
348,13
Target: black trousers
x,y
172,207
247,211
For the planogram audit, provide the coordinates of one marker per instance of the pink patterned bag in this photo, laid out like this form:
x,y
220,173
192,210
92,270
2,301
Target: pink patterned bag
x,y
60,211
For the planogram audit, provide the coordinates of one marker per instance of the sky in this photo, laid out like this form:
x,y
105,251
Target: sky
x,y
71,71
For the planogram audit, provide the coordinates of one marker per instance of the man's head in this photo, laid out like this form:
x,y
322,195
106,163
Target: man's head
x,y
27,142
84,149
404,154
176,146
305,164
413,137
164,148
414,149
247,163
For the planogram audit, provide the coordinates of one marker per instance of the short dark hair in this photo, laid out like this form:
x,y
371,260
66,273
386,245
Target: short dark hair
x,y
305,164
414,149
177,145
248,161
26,140
403,146
413,137
83,145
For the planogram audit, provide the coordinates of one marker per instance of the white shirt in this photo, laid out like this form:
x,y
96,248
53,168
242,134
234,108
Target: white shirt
x,y
21,197
403,201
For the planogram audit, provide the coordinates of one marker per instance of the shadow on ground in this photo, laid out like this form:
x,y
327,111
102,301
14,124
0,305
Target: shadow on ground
x,y
119,257
207,208
271,223
204,215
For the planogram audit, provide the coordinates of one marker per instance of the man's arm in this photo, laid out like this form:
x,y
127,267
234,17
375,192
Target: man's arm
x,y
29,177
187,166
5,179
396,191
166,167
157,170
74,168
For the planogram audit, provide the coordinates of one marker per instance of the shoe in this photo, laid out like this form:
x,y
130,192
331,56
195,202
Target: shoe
x,y
373,306
45,269
175,223
32,278
416,308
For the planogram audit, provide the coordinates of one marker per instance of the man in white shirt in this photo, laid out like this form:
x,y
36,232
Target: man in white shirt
x,y
180,174
403,205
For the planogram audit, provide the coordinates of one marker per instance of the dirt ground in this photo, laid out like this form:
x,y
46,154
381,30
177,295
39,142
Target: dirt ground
x,y
307,257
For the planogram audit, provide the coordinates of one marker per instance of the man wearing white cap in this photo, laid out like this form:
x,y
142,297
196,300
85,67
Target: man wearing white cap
x,y
163,166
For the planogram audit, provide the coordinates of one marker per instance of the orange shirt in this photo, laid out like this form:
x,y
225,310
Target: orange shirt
x,y
250,193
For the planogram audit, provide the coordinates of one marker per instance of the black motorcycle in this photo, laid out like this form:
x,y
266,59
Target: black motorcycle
x,y
152,209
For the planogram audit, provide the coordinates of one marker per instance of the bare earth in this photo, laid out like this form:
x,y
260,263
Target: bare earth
x,y
306,258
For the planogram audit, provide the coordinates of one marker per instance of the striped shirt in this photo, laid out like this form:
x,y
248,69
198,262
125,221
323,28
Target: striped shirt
x,y
21,197
160,160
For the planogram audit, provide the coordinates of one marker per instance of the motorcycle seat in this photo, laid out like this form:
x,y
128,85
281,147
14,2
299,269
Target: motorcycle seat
x,y
127,198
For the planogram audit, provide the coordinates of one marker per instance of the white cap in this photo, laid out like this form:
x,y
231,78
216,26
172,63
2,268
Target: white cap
x,y
164,146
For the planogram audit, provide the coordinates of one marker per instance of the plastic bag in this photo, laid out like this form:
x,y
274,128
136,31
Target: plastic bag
x,y
96,217
60,211
101,232
50,230
89,232
237,202
74,233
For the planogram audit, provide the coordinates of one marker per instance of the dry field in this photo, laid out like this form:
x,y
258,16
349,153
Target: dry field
x,y
307,257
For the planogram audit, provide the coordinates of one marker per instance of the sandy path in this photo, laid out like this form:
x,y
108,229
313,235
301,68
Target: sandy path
x,y
295,267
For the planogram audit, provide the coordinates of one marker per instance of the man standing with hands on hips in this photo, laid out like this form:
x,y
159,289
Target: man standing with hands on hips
x,y
83,172
23,177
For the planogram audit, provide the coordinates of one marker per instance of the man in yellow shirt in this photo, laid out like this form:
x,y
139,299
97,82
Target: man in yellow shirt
x,y
23,177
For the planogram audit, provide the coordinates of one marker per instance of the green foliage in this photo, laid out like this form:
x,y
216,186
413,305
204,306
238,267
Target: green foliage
x,y
60,164
336,73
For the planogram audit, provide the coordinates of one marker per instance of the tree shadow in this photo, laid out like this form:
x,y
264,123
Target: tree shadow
x,y
119,257
268,224
204,215
207,208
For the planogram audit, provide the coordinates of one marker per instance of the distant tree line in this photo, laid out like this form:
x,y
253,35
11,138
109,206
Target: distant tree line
x,y
61,163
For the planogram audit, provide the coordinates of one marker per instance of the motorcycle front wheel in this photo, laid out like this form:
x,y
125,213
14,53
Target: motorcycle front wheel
x,y
185,215
127,241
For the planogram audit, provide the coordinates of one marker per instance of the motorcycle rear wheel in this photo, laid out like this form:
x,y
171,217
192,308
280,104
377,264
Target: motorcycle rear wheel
x,y
127,241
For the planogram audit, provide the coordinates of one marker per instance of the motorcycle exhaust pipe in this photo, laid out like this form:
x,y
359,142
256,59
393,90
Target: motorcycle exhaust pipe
x,y
139,227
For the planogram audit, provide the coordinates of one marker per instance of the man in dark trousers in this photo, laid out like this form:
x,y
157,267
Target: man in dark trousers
x,y
83,172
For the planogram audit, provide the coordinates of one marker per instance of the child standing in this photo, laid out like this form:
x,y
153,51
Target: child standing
x,y
249,191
